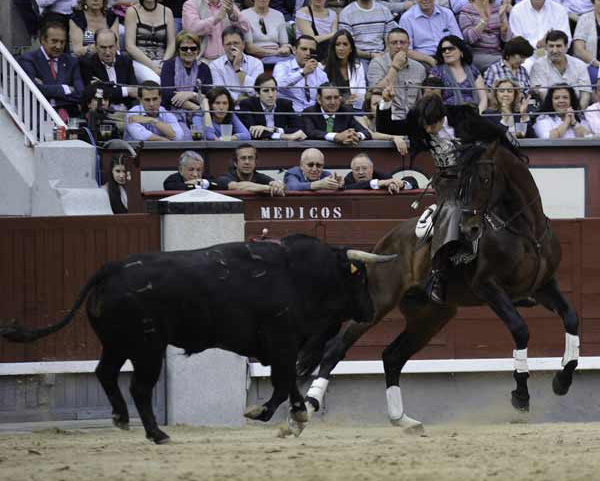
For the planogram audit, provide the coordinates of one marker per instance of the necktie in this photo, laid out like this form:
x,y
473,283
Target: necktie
x,y
52,67
306,90
329,124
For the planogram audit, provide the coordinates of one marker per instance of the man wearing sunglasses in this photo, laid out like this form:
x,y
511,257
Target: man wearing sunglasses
x,y
111,71
310,174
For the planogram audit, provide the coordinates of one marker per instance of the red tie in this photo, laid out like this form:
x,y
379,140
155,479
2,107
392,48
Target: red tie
x,y
52,67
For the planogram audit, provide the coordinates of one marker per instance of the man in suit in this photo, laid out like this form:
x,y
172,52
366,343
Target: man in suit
x,y
107,68
190,174
270,117
342,129
364,176
55,73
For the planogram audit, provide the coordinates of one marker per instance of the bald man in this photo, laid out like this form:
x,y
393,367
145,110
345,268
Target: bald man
x,y
310,175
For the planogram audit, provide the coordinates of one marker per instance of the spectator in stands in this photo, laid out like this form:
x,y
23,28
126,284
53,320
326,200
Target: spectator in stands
x,y
368,35
564,122
372,100
56,11
585,40
184,76
55,73
243,175
510,108
190,174
431,86
592,115
270,41
558,67
334,121
426,24
344,70
149,38
298,77
484,25
363,176
397,70
310,175
533,19
286,7
514,54
102,124
150,121
575,9
89,17
115,187
456,71
110,71
235,70
268,117
208,19
176,7
217,109
317,21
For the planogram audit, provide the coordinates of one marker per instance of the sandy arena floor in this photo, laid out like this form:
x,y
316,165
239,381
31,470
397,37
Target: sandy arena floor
x,y
523,452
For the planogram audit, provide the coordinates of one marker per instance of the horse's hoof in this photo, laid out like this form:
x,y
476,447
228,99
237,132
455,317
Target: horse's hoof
x,y
295,427
257,413
520,401
299,416
159,437
408,425
120,423
560,386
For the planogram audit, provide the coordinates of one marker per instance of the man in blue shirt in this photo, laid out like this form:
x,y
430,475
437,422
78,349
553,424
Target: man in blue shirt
x,y
426,24
310,175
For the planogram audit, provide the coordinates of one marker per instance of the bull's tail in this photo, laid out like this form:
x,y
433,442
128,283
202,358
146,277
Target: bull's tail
x,y
18,333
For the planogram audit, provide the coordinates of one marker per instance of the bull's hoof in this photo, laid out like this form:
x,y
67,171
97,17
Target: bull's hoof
x,y
408,425
520,401
158,437
563,379
257,413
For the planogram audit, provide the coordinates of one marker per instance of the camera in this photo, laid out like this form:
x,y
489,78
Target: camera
x,y
313,54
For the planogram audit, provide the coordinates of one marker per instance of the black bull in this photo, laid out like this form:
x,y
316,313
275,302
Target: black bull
x,y
259,299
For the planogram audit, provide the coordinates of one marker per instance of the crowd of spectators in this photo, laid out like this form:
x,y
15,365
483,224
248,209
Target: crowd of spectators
x,y
314,69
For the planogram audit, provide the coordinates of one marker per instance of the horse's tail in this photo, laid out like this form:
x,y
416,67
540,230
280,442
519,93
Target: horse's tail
x,y
18,333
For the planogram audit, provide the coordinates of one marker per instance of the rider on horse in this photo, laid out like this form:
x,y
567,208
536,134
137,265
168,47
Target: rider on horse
x,y
441,130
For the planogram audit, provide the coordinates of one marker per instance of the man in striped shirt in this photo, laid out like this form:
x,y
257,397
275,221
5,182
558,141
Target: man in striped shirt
x,y
368,22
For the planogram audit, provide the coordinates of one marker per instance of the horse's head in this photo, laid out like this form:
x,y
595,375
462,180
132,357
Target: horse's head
x,y
480,186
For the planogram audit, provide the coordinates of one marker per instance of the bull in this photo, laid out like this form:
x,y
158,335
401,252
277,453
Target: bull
x,y
261,300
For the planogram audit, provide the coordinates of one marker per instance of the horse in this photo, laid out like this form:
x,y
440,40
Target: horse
x,y
515,264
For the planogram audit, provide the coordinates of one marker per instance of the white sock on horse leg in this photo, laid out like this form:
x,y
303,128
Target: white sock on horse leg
x,y
317,389
520,356
571,349
394,402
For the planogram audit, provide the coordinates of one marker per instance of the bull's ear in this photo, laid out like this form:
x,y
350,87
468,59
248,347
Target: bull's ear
x,y
353,268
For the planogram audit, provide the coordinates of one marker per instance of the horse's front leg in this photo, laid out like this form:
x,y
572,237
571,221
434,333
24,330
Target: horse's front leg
x,y
502,305
552,299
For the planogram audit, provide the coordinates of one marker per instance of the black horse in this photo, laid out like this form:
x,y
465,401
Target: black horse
x,y
517,258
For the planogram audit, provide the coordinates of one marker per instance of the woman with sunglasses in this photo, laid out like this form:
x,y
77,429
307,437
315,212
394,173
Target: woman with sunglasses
x,y
183,75
270,40
454,66
218,108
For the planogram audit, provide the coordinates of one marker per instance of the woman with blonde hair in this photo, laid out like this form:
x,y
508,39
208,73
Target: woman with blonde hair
x,y
510,108
88,17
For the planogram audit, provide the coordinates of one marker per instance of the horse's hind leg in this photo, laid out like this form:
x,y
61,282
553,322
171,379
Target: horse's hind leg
x,y
502,305
107,371
424,320
551,298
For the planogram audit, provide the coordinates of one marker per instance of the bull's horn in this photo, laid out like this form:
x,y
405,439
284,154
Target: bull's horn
x,y
368,257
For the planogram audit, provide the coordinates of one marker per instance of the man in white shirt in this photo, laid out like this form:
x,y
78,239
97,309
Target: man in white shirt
x,y
533,19
558,67
299,77
235,71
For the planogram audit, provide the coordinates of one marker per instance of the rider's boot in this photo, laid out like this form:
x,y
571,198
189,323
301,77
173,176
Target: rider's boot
x,y
438,286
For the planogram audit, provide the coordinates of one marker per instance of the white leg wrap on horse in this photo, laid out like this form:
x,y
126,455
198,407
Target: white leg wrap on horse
x,y
317,389
520,356
571,349
394,402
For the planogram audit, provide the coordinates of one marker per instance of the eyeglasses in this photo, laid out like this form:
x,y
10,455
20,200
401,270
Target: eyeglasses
x,y
263,27
314,165
189,49
448,49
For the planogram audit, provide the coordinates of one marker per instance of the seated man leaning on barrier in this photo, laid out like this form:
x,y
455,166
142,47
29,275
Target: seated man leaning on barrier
x,y
243,175
269,117
334,122
363,176
150,121
310,174
190,174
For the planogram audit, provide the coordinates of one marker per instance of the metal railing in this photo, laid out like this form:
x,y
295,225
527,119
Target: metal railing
x,y
24,102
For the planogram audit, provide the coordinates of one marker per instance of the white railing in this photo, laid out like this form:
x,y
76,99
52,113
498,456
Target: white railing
x,y
24,102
